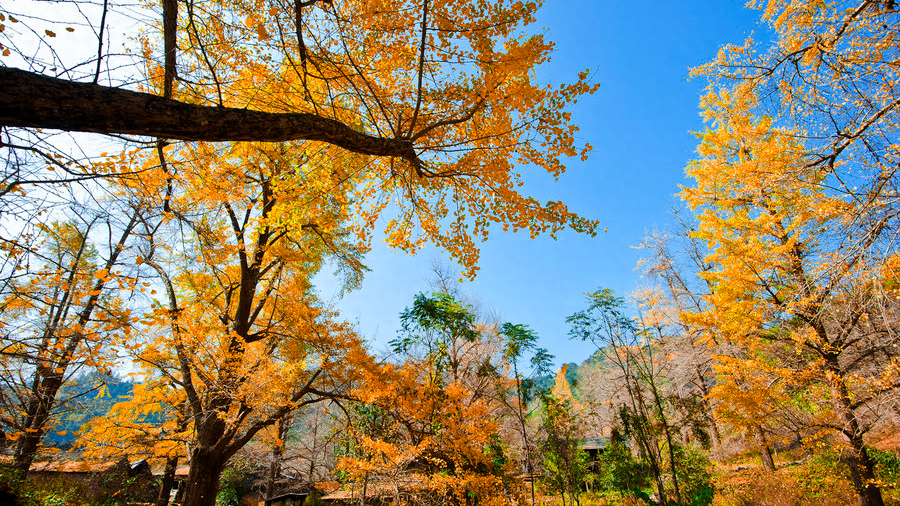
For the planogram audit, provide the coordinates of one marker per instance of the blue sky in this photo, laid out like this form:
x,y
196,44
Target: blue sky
x,y
639,122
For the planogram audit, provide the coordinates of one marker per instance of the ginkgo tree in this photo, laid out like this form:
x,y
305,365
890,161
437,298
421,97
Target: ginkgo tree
x,y
796,197
829,75
58,314
795,268
429,110
239,338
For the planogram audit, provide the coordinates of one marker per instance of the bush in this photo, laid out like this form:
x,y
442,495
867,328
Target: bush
x,y
231,486
823,472
693,469
756,487
620,471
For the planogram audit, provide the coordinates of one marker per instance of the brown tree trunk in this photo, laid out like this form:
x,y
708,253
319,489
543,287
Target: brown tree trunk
x,y
203,479
38,412
862,468
274,469
668,432
26,448
168,481
715,438
207,461
764,450
32,100
863,476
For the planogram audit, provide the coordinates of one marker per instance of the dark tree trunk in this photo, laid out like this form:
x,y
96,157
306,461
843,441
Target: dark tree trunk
x,y
862,468
764,450
863,476
26,448
273,474
207,458
668,433
36,417
715,438
203,479
168,481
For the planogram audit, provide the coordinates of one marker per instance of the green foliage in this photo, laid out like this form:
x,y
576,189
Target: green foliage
x,y
432,322
602,319
822,471
519,340
887,468
231,487
497,450
565,464
694,476
620,471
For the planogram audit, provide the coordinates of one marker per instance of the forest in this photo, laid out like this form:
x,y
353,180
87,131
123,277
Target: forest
x,y
177,176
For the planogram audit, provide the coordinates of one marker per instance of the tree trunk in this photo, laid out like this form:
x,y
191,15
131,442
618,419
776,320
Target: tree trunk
x,y
38,412
862,468
26,448
168,480
648,444
714,437
863,476
273,474
203,479
274,471
764,451
666,429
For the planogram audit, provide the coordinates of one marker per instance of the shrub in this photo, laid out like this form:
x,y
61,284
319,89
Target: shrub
x,y
620,471
693,469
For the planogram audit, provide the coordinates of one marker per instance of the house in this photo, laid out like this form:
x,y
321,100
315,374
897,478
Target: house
x,y
594,446
288,499
375,493
98,480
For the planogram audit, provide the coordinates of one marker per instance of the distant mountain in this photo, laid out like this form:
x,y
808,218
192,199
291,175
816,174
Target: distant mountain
x,y
92,396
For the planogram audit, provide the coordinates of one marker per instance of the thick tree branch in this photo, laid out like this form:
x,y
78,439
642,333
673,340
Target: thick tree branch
x,y
36,101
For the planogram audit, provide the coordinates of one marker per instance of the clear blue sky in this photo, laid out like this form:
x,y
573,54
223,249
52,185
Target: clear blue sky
x,y
639,122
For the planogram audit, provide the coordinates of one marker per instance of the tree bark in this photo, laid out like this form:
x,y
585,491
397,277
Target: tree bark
x,y
203,478
862,468
168,481
764,451
44,391
36,101
714,436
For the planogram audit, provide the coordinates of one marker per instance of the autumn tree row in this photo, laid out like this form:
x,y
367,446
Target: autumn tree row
x,y
775,314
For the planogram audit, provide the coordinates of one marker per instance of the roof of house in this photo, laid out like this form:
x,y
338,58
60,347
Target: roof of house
x,y
327,487
355,490
75,466
593,443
